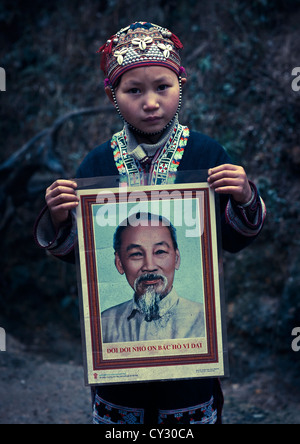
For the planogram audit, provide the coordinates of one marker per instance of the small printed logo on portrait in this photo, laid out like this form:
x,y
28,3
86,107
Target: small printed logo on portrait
x,y
296,81
2,340
296,341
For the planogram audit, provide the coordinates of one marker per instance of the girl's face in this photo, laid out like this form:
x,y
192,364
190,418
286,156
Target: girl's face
x,y
148,97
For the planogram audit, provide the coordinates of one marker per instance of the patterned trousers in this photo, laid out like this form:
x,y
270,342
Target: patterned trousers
x,y
107,413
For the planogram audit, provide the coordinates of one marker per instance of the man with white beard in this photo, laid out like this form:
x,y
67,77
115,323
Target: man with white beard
x,y
146,251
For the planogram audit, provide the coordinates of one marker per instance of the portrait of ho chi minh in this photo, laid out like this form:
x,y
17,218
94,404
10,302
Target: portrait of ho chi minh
x,y
147,253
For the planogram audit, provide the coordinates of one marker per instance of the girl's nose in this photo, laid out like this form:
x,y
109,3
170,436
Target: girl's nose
x,y
151,102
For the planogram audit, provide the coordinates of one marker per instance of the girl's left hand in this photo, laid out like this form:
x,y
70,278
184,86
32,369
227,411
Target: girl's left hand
x,y
230,179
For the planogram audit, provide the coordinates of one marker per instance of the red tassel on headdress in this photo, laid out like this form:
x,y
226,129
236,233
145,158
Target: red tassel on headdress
x,y
106,49
176,41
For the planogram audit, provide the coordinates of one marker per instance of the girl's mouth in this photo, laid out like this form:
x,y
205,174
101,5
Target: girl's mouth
x,y
152,119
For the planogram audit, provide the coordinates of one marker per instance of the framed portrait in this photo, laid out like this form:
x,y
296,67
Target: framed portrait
x,y
150,282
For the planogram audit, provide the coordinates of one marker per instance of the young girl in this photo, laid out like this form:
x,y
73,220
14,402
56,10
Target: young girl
x,y
144,81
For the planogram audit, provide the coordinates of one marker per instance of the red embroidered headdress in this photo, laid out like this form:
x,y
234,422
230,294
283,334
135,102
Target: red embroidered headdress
x,y
140,44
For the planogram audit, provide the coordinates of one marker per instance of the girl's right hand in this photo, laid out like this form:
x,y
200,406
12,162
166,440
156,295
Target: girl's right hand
x,y
61,199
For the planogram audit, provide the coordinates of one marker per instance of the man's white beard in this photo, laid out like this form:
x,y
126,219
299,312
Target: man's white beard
x,y
149,301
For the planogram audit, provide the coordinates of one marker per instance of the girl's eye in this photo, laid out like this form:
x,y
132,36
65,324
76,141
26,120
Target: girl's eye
x,y
162,87
134,91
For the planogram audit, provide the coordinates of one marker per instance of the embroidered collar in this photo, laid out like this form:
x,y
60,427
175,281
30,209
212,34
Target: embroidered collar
x,y
164,164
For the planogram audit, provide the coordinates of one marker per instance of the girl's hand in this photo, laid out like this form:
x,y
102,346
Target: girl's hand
x,y
230,179
61,199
